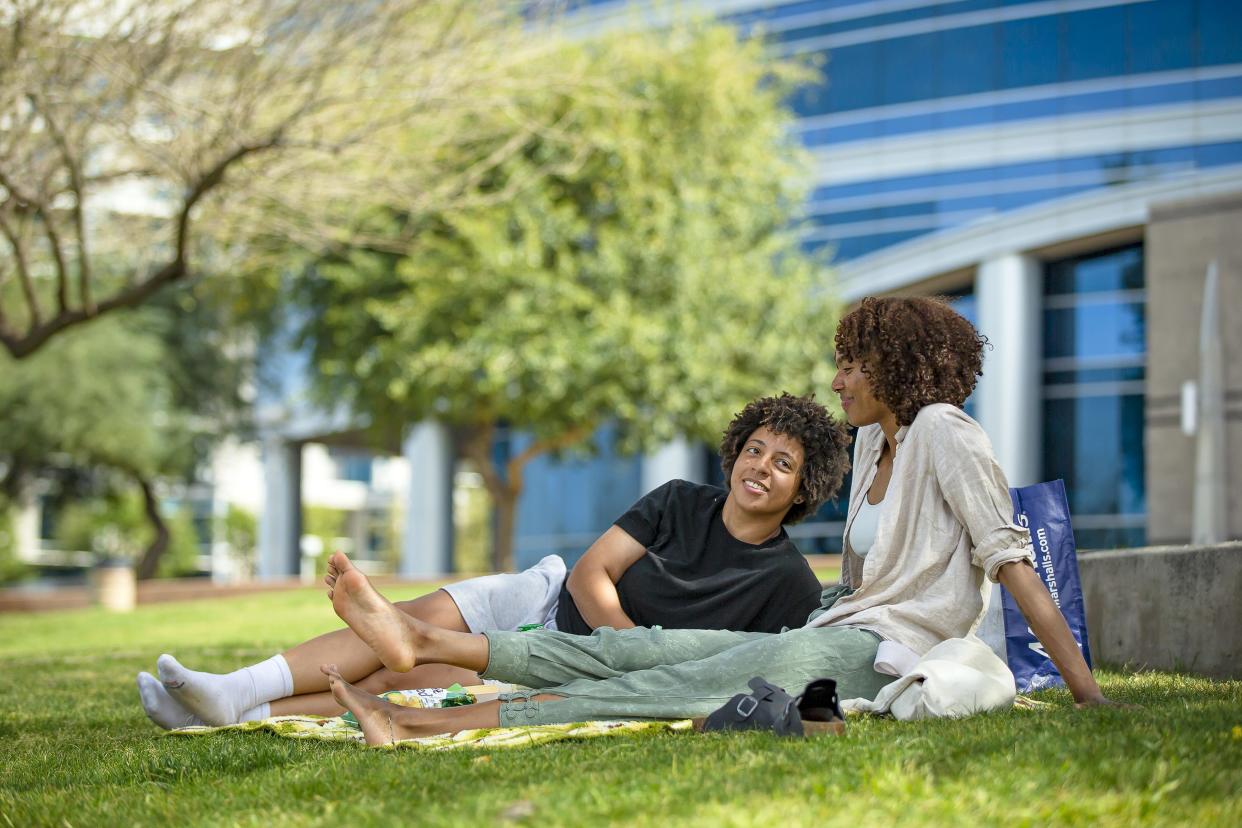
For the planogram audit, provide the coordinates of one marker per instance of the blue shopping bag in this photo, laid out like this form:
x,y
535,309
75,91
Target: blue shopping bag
x,y
1044,510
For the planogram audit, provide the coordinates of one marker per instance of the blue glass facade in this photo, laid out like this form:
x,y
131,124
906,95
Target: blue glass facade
x,y
1095,356
921,69
943,51
864,217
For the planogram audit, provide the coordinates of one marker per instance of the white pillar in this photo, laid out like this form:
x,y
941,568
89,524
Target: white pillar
x,y
1211,510
26,521
1009,298
359,529
427,538
677,459
224,567
280,524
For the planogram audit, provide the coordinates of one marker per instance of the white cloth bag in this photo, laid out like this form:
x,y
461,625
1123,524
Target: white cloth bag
x,y
956,678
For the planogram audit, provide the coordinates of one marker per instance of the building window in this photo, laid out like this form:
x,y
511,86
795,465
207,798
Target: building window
x,y
352,465
1095,362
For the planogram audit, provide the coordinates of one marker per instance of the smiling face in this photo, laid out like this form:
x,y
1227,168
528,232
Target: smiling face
x,y
768,472
853,386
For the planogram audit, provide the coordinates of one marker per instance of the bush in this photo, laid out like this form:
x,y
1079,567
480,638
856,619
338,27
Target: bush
x,y
239,528
115,528
181,556
330,526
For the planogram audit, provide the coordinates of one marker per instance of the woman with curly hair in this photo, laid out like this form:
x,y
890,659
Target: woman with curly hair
x,y
930,515
684,556
929,520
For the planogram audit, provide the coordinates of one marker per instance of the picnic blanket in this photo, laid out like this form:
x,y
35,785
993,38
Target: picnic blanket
x,y
958,677
339,730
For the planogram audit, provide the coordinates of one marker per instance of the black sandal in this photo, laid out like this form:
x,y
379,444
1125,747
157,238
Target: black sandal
x,y
767,707
820,709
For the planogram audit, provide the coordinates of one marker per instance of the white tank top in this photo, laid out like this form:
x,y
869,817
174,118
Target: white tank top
x,y
862,530
891,658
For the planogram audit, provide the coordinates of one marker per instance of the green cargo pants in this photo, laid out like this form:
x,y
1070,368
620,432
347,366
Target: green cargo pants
x,y
668,674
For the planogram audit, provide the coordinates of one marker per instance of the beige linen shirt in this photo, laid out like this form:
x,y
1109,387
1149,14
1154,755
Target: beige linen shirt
x,y
945,524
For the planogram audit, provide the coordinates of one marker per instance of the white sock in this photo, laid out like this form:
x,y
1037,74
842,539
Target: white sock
x,y
161,707
221,699
257,713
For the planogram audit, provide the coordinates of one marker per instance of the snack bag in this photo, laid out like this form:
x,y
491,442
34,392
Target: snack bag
x,y
423,697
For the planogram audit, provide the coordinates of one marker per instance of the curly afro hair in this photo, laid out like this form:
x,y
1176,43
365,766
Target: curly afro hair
x,y
824,445
915,351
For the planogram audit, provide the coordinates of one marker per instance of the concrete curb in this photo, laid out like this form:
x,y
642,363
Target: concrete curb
x,y
1166,607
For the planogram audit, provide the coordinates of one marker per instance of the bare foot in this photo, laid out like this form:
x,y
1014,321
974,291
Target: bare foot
x,y
333,573
385,629
383,723
372,713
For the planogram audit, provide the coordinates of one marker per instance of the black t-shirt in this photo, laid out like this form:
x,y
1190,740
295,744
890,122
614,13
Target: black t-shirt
x,y
695,575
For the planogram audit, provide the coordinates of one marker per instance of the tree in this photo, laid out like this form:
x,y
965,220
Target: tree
x,y
111,411
645,273
154,133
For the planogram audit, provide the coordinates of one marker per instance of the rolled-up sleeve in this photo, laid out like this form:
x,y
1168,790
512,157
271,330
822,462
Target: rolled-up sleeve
x,y
977,493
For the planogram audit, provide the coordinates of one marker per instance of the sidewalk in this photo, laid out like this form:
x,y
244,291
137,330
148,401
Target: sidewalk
x,y
161,591
191,589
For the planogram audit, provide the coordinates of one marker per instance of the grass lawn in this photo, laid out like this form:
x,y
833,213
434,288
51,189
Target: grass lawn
x,y
77,750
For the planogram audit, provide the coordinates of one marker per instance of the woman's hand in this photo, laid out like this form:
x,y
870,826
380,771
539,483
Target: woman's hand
x,y
1049,626
1103,701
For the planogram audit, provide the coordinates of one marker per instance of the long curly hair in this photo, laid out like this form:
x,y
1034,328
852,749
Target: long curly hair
x,y
915,351
824,445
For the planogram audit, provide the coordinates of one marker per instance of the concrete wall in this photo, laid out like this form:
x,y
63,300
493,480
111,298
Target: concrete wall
x,y
1182,238
1171,608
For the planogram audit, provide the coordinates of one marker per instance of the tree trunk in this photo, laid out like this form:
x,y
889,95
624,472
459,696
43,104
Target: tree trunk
x,y
477,445
506,490
506,520
14,480
150,562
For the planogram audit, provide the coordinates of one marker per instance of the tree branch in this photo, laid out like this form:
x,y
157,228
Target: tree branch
x,y
23,271
116,175
26,344
16,192
517,465
62,270
136,293
36,206
212,178
79,224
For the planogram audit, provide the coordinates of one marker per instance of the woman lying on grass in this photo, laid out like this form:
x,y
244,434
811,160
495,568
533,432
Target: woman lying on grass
x,y
929,519
684,556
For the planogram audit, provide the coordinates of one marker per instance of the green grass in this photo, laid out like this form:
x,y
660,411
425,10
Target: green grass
x,y
827,575
77,750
